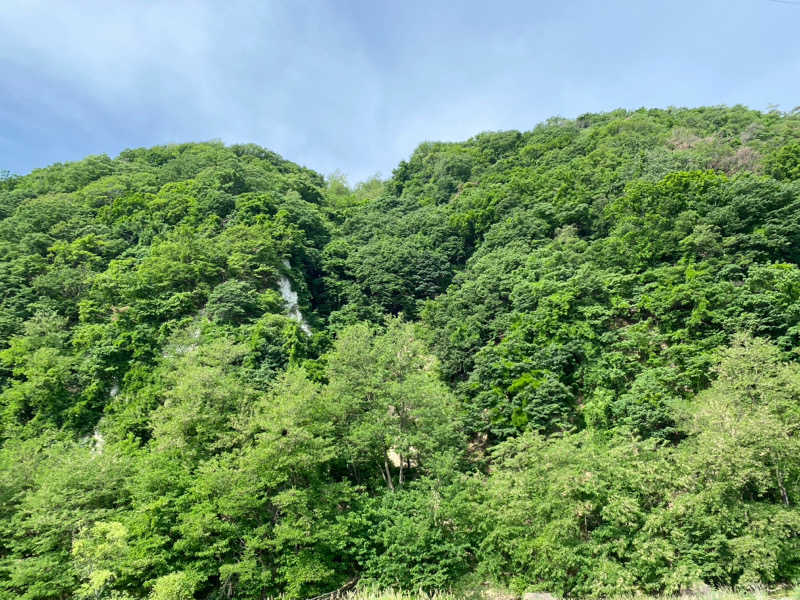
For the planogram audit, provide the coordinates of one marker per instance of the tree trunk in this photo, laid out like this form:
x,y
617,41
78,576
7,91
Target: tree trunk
x,y
388,474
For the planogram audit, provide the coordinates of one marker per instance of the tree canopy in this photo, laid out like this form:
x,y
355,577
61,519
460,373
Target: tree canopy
x,y
562,359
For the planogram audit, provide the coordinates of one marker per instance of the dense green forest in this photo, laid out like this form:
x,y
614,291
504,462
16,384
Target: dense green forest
x,y
561,360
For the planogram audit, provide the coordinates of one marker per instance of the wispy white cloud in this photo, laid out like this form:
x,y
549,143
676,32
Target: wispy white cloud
x,y
356,85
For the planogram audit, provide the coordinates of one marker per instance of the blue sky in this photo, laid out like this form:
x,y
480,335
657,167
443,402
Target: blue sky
x,y
356,85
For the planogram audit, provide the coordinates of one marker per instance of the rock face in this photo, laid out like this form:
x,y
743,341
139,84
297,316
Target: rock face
x,y
290,297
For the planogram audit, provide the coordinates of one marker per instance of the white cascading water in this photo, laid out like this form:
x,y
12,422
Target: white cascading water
x,y
290,297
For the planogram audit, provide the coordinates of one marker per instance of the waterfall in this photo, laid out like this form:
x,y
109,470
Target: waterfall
x,y
290,298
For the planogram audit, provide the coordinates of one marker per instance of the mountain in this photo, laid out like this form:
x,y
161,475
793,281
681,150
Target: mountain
x,y
562,359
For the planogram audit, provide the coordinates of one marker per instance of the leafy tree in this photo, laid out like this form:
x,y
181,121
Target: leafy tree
x,y
97,553
394,416
233,302
785,163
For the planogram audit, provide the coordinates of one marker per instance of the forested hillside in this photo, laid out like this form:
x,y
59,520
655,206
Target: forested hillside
x,y
560,360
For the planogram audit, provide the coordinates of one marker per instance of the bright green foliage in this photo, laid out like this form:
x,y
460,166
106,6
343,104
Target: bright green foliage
x,y
175,586
392,413
97,553
425,538
785,163
233,302
590,515
155,237
556,360
56,489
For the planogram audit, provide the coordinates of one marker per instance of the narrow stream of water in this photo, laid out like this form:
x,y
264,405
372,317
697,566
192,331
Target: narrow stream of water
x,y
290,297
